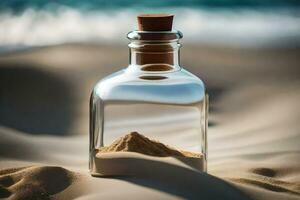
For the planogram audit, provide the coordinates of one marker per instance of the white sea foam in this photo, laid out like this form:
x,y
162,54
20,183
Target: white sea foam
x,y
226,27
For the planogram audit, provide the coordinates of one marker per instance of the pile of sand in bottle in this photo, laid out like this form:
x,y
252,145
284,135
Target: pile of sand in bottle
x,y
138,156
135,142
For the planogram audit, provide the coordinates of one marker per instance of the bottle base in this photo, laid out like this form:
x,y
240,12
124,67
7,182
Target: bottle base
x,y
140,165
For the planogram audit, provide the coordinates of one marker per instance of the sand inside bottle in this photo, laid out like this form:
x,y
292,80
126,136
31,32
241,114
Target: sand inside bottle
x,y
134,153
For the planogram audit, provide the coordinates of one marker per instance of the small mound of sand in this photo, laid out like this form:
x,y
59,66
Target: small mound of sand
x,y
264,171
36,182
135,142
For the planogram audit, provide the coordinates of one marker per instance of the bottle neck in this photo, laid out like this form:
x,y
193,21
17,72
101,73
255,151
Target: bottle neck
x,y
154,56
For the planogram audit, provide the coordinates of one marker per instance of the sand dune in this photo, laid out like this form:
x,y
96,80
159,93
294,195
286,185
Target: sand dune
x,y
36,182
253,138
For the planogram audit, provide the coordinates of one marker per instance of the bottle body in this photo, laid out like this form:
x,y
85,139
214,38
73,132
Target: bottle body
x,y
153,96
168,106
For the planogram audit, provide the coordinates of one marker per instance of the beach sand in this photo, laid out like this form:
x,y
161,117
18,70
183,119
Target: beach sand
x,y
253,134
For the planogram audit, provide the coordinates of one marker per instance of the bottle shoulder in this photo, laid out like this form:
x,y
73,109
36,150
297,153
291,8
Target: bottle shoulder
x,y
121,77
175,87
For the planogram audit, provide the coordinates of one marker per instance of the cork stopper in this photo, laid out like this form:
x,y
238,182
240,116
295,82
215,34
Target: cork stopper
x,y
155,22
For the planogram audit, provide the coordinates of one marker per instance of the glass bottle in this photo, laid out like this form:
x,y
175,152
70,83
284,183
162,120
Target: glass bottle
x,y
154,96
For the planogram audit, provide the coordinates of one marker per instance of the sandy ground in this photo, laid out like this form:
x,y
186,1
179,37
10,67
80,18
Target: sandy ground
x,y
253,135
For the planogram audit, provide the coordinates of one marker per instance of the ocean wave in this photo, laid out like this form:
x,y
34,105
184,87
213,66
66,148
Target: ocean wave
x,y
234,27
21,5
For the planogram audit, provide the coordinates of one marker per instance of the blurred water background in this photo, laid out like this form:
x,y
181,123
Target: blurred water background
x,y
248,23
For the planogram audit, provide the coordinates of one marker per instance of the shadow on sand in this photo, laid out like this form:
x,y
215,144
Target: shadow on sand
x,y
171,178
34,100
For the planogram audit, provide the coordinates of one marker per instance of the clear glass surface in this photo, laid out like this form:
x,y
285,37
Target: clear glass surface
x,y
168,105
